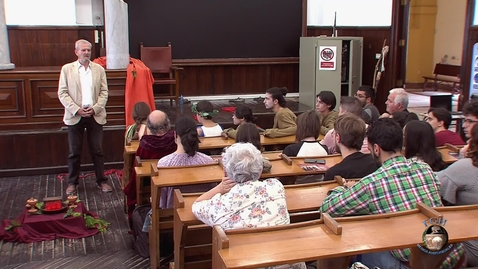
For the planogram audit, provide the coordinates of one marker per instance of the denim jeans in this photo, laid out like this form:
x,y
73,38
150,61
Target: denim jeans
x,y
382,260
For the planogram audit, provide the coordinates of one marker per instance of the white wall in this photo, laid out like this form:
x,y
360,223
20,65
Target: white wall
x,y
449,31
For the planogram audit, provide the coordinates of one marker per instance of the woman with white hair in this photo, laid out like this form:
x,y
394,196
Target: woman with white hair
x,y
241,200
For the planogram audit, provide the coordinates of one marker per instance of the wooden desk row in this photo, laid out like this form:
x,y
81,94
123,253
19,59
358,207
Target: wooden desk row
x,y
333,240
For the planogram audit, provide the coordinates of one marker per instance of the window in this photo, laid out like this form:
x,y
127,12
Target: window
x,y
349,12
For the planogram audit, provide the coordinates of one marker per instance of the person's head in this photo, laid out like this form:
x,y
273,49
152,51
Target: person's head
x,y
352,105
349,131
275,97
400,117
397,100
326,102
242,114
470,111
419,141
248,133
439,119
187,135
384,138
204,110
83,51
242,162
141,111
308,125
365,94
473,146
158,123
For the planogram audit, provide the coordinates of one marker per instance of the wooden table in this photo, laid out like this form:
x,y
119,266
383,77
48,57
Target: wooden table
x,y
261,247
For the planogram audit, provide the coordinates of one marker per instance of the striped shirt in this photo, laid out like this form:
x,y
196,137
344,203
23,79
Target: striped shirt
x,y
396,186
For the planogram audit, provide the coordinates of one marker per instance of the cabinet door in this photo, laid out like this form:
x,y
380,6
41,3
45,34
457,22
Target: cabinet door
x,y
355,74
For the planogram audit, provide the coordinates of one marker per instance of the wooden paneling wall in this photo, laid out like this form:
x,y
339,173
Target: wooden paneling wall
x,y
373,38
29,99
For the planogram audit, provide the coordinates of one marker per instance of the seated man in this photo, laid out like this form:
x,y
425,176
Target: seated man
x,y
470,111
348,105
440,119
349,135
398,185
398,101
366,95
157,142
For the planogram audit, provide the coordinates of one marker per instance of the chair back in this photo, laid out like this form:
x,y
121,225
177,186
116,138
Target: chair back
x,y
158,59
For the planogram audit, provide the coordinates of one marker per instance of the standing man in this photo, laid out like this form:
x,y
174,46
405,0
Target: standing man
x,y
83,92
366,95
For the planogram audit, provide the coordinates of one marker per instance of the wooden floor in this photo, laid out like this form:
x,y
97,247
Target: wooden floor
x,y
112,249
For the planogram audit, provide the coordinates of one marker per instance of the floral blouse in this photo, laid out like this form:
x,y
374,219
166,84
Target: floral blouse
x,y
247,205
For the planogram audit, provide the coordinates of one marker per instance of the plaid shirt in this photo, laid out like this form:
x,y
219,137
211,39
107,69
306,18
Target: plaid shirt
x,y
396,186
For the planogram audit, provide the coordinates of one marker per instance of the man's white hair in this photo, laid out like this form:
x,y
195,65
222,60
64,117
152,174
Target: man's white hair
x,y
401,97
81,41
242,162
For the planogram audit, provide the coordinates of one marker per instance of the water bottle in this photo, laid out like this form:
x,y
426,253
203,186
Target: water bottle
x,y
181,103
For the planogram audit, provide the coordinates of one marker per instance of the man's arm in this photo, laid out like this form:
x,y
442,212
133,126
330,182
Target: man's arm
x,y
343,201
103,97
286,126
64,95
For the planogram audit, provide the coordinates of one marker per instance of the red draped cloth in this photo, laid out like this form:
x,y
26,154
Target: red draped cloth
x,y
43,227
139,86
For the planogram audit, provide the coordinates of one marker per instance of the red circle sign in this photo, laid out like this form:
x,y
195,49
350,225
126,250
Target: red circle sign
x,y
327,54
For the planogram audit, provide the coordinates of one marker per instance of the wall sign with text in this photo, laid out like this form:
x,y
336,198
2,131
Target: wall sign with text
x,y
327,58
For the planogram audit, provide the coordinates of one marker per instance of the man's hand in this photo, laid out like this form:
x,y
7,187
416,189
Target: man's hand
x,y
83,112
90,111
385,115
226,185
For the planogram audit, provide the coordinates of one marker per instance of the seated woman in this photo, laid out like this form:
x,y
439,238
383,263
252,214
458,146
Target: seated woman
x,y
248,133
284,119
459,186
205,111
325,105
136,130
266,198
187,153
419,143
308,128
242,115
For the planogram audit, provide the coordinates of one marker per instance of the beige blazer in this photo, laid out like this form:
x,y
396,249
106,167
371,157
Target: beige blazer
x,y
69,92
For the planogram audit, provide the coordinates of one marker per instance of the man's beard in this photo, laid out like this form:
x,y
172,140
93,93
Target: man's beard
x,y
376,158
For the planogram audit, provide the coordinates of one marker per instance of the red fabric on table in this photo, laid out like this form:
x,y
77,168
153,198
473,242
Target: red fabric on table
x,y
138,88
43,227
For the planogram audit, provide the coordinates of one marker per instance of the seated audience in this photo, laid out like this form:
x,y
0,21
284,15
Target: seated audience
x,y
308,128
459,187
265,198
398,185
205,111
325,105
187,142
157,143
440,119
366,95
470,111
419,145
248,133
398,101
350,105
349,135
284,119
136,130
242,114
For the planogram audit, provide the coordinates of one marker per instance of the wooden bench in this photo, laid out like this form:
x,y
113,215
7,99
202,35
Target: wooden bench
x,y
179,176
192,239
145,169
332,241
444,73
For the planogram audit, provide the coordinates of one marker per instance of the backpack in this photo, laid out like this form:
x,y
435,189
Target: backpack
x,y
141,239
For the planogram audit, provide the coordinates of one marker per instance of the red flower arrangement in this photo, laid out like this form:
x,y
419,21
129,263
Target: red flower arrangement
x,y
54,205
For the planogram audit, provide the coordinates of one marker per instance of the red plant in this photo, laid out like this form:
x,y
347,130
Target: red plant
x,y
53,205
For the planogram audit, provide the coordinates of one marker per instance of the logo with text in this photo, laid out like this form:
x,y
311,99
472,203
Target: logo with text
x,y
435,237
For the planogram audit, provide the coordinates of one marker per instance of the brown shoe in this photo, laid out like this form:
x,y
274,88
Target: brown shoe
x,y
71,189
105,187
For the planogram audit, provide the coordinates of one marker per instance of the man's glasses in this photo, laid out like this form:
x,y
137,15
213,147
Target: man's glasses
x,y
469,121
